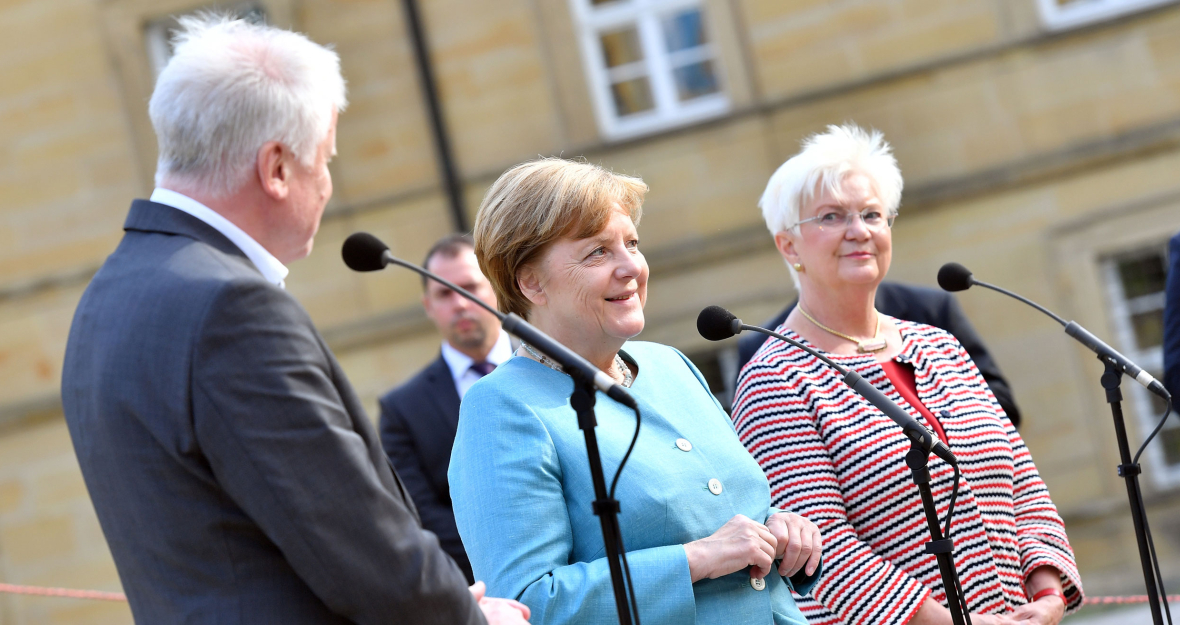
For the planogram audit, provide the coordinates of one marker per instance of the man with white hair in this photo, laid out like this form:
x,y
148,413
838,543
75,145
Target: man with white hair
x,y
234,472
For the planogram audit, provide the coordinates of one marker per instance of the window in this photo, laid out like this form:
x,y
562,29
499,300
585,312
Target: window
x,y
158,33
1135,282
1063,14
652,64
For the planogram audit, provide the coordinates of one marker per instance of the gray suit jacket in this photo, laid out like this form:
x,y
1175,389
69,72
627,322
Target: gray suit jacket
x,y
233,469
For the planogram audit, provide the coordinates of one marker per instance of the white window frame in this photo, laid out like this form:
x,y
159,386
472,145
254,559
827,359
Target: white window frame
x,y
1082,12
668,111
1152,360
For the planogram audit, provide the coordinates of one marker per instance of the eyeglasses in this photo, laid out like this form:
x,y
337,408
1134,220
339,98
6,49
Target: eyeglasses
x,y
839,221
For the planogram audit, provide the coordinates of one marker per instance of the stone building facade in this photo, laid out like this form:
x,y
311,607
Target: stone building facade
x,y
1039,140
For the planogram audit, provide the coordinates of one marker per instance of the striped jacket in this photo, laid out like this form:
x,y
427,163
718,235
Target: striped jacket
x,y
834,458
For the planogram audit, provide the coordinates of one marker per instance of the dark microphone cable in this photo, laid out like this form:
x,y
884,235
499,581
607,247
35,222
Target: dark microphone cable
x,y
364,252
717,324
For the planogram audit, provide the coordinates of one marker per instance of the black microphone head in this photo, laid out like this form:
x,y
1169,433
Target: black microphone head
x,y
955,277
364,252
716,324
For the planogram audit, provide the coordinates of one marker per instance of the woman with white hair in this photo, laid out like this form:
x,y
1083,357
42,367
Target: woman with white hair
x,y
832,457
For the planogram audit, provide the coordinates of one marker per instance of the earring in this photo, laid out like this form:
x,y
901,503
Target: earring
x,y
799,267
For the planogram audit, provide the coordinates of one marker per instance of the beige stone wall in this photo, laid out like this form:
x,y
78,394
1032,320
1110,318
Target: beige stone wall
x,y
1027,156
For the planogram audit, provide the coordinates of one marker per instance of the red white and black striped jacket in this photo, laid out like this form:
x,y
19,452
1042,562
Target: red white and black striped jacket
x,y
834,458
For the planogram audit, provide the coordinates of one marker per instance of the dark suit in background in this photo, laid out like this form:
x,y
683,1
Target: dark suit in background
x,y
924,305
1172,320
418,422
233,469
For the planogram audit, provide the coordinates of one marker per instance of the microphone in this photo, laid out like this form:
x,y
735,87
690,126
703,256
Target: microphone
x,y
955,277
365,252
717,324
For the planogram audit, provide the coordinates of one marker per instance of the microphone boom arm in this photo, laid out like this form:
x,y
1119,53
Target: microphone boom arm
x,y
917,434
390,259
525,331
1048,312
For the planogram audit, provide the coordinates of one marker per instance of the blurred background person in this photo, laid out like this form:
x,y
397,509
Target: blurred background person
x,y
1172,321
418,418
233,469
925,305
831,208
557,239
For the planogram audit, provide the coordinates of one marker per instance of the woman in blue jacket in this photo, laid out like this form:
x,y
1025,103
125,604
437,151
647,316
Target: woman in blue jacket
x,y
557,240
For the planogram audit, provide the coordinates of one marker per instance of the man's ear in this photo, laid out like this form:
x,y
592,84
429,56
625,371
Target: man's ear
x,y
274,170
529,281
785,242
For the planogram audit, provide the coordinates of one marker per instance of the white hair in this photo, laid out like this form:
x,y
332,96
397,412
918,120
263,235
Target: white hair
x,y
826,159
230,87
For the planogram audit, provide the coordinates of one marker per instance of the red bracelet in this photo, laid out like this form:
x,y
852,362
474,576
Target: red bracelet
x,y
1050,592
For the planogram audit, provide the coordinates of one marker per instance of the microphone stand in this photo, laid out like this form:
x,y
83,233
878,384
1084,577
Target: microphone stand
x,y
917,459
1129,470
582,400
1111,380
942,548
606,508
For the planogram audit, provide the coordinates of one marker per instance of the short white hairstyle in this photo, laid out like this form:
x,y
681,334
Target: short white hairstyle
x,y
230,87
826,159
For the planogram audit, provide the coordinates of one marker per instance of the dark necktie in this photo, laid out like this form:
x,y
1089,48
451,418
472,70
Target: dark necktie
x,y
482,368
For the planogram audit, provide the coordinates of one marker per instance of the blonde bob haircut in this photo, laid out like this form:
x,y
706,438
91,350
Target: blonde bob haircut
x,y
536,203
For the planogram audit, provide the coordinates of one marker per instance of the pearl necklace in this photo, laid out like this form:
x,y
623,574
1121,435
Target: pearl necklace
x,y
628,377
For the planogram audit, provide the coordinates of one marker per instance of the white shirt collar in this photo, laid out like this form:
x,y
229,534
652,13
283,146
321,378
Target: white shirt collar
x,y
273,270
460,363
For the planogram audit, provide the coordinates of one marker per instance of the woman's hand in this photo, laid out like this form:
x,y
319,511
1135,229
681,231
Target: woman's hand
x,y
499,611
798,543
739,543
1046,610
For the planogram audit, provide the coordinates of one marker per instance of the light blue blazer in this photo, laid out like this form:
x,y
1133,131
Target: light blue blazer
x,y
521,490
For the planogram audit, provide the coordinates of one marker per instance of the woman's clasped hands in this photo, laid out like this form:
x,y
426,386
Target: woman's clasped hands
x,y
743,542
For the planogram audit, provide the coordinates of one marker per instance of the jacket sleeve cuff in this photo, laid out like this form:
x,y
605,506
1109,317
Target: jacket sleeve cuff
x,y
1071,582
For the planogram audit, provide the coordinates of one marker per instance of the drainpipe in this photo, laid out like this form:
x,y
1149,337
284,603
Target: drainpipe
x,y
442,141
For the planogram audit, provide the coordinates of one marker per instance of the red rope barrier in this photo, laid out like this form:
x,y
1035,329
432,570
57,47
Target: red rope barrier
x,y
41,591
1130,599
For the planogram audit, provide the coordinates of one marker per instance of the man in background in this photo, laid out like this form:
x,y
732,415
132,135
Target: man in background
x,y
932,307
234,472
418,418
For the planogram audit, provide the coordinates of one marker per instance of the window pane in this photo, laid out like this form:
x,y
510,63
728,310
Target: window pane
x,y
1149,328
632,96
696,80
1143,275
683,31
1169,438
621,47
